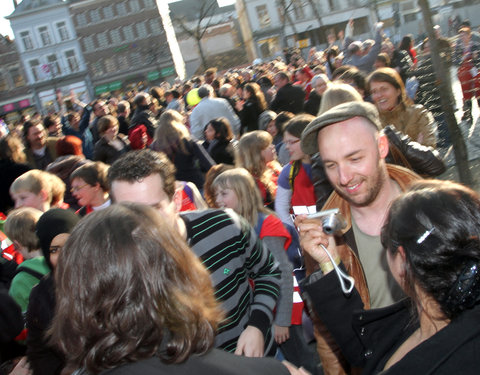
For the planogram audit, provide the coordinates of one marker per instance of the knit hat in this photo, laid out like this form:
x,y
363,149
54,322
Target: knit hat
x,y
334,115
52,223
264,119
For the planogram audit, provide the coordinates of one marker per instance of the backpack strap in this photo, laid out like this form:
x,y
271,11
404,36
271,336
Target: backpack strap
x,y
294,170
31,272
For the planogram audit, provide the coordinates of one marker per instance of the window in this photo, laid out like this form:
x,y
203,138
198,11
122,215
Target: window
x,y
115,36
121,9
298,9
88,44
95,15
108,12
134,6
102,39
136,59
141,30
110,65
53,65
123,62
263,17
3,82
44,36
128,33
17,77
81,19
410,17
62,31
72,61
155,27
97,68
26,40
35,69
149,3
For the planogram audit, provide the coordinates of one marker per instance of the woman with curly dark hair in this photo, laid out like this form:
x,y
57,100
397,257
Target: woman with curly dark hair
x,y
253,105
219,141
432,247
146,306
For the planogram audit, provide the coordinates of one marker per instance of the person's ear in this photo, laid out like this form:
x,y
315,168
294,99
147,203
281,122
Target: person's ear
x,y
383,146
177,198
403,257
43,195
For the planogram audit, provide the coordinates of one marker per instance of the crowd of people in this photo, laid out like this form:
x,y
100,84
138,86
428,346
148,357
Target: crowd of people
x,y
167,230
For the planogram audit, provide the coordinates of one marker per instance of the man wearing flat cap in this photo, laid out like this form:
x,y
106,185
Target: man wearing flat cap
x,y
353,148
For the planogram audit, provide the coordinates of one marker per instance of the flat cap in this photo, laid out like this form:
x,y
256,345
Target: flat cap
x,y
339,113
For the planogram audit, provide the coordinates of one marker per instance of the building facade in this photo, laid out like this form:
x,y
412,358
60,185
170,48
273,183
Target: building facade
x,y
15,96
123,42
49,52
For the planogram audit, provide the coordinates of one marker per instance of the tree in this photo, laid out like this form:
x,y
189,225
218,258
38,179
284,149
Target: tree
x,y
286,17
205,11
446,98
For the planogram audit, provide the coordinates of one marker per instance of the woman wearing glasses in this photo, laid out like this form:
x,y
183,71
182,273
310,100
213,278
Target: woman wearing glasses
x,y
295,186
90,187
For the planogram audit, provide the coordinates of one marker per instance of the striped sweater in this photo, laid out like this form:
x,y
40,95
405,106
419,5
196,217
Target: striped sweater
x,y
232,252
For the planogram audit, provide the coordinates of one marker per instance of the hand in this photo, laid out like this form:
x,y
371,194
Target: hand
x,y
281,334
294,370
239,105
250,343
312,236
22,368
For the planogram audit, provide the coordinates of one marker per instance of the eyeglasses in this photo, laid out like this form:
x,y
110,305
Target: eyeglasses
x,y
77,188
54,249
290,143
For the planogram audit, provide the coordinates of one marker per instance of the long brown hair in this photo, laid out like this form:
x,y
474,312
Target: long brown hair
x,y
128,288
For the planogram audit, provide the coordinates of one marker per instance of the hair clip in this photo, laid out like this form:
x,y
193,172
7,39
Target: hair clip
x,y
424,236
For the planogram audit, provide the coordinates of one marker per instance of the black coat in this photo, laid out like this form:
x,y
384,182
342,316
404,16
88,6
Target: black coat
x,y
9,171
221,152
42,357
368,338
106,153
211,363
249,116
289,98
312,105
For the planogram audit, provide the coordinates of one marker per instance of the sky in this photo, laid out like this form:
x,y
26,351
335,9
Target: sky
x,y
7,9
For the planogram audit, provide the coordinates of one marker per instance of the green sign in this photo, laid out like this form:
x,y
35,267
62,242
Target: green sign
x,y
106,87
168,71
152,76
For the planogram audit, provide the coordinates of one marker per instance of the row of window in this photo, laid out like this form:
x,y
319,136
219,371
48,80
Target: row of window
x,y
111,11
44,36
126,61
50,66
10,78
120,35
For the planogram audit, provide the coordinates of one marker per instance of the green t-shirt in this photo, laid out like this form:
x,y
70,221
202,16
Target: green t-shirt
x,y
23,282
382,286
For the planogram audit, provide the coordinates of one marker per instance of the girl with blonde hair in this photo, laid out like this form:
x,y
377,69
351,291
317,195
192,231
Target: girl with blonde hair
x,y
236,189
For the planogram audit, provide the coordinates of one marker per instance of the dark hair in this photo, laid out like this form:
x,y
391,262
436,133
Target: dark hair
x,y
146,295
281,120
297,124
392,77
438,225
93,173
406,43
256,95
384,58
49,120
105,123
136,165
223,130
26,127
358,78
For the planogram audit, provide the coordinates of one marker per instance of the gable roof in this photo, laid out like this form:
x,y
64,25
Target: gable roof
x,y
28,6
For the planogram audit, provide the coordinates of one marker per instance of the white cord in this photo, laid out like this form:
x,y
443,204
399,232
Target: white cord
x,y
340,274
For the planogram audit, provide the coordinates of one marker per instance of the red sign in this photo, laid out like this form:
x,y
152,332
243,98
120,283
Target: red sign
x,y
8,107
24,103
